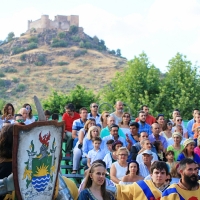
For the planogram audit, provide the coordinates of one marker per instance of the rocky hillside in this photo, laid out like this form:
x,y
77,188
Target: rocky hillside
x,y
37,62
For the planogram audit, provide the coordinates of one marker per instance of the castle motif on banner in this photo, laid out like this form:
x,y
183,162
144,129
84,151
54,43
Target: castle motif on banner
x,y
39,168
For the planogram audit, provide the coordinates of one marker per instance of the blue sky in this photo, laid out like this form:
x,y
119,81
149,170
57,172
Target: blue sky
x,y
160,28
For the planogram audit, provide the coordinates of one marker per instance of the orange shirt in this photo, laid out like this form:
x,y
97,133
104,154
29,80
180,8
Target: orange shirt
x,y
195,125
69,120
149,119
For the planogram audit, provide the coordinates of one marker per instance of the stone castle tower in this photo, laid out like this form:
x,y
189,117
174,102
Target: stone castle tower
x,y
60,22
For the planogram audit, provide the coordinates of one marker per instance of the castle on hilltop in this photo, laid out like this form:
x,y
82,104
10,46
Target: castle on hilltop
x,y
60,22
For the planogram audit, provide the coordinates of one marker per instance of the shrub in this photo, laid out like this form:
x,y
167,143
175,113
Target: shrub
x,y
76,38
15,80
61,63
2,74
88,45
23,57
21,64
2,83
32,45
81,44
21,87
73,29
1,51
27,71
33,39
10,70
59,43
22,34
62,35
41,60
17,50
79,53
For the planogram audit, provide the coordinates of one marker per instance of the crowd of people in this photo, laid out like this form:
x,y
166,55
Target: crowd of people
x,y
134,159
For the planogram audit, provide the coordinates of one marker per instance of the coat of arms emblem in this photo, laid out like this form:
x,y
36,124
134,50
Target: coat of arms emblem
x,y
38,159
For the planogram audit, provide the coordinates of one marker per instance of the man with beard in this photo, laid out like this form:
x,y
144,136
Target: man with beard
x,y
143,126
188,187
119,106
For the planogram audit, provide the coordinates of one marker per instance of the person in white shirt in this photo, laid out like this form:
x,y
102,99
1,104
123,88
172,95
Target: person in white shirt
x,y
146,164
96,153
146,145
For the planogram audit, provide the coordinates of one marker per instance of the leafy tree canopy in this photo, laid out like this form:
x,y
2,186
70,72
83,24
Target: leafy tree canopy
x,y
80,97
143,83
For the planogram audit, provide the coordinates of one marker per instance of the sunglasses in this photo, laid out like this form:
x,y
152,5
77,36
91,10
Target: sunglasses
x,y
160,115
123,154
179,120
27,108
95,106
169,124
20,120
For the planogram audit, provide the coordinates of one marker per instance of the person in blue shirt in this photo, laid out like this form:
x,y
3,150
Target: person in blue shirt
x,y
188,151
88,144
143,126
191,122
133,135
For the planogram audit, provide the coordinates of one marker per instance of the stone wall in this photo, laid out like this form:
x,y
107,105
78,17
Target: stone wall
x,y
60,22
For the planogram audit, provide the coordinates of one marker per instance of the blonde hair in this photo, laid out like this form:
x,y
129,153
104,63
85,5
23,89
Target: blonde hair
x,y
122,149
89,135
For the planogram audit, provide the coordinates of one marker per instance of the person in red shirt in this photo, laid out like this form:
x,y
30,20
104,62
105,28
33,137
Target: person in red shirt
x,y
149,118
69,116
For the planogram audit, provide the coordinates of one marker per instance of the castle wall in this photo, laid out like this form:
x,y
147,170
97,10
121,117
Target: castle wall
x,y
35,24
61,22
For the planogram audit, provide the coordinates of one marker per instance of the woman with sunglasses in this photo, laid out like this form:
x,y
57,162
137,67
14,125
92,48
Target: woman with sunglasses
x,y
179,121
30,118
118,169
124,124
103,119
167,129
132,174
160,120
95,185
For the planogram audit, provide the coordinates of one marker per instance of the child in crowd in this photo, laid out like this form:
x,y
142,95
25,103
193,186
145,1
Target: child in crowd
x,y
96,153
196,125
47,114
197,149
159,148
170,159
109,144
55,117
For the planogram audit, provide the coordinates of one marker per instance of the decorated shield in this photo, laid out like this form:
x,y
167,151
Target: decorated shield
x,y
36,159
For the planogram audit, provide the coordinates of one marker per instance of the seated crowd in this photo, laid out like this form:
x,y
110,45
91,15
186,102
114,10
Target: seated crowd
x,y
129,151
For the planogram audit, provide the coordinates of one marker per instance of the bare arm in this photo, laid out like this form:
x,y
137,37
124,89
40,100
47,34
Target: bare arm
x,y
80,137
113,174
74,134
88,162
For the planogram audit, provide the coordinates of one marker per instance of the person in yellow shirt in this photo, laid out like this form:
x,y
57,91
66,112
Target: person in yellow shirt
x,y
188,186
146,189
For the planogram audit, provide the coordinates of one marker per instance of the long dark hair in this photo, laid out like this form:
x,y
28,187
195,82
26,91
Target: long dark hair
x,y
88,181
30,113
6,141
5,109
138,169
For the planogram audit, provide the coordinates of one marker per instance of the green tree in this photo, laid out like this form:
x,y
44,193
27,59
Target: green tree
x,y
80,97
118,52
62,35
180,87
137,85
73,29
10,36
